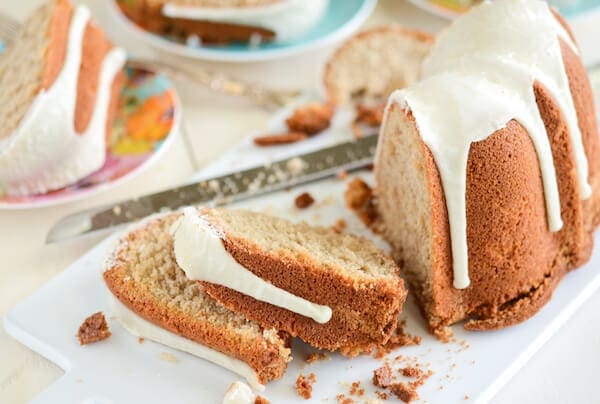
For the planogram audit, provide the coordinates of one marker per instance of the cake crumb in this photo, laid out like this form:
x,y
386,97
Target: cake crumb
x,y
304,385
359,197
404,392
316,356
369,116
356,390
93,329
339,226
280,138
467,397
168,357
383,377
261,400
310,118
304,200
342,175
141,340
342,399
411,371
381,395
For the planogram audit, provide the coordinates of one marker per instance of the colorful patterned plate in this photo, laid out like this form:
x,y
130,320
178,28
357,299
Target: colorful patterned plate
x,y
341,19
147,119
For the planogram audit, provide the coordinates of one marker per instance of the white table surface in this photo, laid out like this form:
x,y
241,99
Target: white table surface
x,y
564,371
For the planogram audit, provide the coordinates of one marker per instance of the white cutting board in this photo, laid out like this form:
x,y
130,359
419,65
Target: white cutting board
x,y
121,370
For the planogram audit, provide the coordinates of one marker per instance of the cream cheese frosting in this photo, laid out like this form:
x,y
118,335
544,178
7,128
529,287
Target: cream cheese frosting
x,y
141,327
200,252
239,393
480,75
288,19
45,152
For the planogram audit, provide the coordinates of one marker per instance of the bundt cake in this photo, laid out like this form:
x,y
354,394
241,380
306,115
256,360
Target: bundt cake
x,y
59,85
152,298
226,21
335,291
487,170
373,63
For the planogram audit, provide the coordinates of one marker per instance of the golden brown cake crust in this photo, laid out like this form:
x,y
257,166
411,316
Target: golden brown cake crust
x,y
515,263
365,313
266,361
95,47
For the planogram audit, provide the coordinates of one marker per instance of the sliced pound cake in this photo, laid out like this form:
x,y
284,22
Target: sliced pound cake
x,y
156,301
373,63
59,85
334,291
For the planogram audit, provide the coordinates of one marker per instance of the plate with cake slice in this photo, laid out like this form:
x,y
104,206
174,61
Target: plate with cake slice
x,y
83,121
431,277
241,31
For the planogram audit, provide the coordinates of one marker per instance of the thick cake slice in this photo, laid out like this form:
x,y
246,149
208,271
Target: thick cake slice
x,y
335,291
153,299
373,63
59,86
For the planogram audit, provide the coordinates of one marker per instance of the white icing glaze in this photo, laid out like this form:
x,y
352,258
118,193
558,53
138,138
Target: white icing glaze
x,y
288,19
199,251
239,393
141,327
45,152
480,75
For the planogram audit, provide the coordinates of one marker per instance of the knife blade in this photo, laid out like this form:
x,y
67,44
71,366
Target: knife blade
x,y
223,189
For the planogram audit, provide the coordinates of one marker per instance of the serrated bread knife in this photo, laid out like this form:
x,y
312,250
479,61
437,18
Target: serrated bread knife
x,y
223,189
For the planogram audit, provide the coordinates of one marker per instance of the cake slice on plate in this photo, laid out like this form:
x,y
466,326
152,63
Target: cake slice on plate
x,y
334,291
152,298
226,21
60,81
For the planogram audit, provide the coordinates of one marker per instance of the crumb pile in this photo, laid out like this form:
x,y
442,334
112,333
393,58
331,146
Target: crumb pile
x,y
304,122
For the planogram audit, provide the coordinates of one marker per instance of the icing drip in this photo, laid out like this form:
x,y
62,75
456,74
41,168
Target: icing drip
x,y
45,152
479,76
141,327
199,251
287,19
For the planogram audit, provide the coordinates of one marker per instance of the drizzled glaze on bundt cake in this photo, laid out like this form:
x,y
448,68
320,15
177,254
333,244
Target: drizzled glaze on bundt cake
x,y
495,202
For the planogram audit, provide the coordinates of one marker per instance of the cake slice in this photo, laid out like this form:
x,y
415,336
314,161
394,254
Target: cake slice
x,y
373,63
226,21
59,85
334,291
153,299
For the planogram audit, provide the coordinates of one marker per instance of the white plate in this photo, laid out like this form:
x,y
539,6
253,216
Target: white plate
x,y
120,370
342,19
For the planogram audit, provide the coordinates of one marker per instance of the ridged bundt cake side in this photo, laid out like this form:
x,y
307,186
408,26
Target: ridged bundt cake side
x,y
514,260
